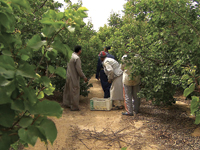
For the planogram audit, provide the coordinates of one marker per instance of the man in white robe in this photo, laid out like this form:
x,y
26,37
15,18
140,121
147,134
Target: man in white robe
x,y
114,73
71,91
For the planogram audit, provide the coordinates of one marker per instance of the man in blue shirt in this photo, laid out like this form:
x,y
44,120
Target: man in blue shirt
x,y
100,74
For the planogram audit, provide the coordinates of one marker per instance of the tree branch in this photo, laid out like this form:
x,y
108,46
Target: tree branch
x,y
40,7
187,22
19,119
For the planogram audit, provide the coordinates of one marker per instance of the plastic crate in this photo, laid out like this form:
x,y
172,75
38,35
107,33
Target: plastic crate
x,y
100,103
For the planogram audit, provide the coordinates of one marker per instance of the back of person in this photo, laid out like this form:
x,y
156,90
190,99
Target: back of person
x,y
72,71
110,56
115,65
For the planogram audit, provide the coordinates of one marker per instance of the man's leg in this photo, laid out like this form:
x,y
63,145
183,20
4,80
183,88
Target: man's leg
x,y
105,85
66,95
128,98
75,98
136,100
107,90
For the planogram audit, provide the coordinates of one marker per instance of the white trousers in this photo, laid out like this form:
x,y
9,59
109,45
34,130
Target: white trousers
x,y
132,102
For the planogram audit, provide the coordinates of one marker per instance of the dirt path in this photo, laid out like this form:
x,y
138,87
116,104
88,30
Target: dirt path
x,y
99,130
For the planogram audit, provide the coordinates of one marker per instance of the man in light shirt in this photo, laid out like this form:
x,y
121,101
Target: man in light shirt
x,y
114,73
131,87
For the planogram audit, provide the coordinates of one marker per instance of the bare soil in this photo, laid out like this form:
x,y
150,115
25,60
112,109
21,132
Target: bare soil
x,y
154,128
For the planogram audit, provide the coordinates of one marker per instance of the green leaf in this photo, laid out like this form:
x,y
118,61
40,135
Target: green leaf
x,y
8,74
24,57
52,54
48,30
124,148
5,142
7,115
197,119
50,14
82,9
47,21
69,52
6,38
194,104
61,72
35,43
28,136
190,81
21,81
7,52
18,105
46,81
6,21
23,3
51,69
185,77
189,90
4,4
4,98
38,133
49,90
48,127
41,95
8,89
15,94
59,46
56,24
25,122
3,81
38,120
48,108
83,15
7,62
25,51
26,70
30,94
59,15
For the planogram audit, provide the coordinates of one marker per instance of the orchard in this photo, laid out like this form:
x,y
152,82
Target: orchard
x,y
37,40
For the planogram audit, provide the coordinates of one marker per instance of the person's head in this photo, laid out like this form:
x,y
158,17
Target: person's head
x,y
102,55
106,48
78,49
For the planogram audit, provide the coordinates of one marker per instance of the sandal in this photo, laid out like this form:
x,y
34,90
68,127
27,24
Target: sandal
x,y
127,114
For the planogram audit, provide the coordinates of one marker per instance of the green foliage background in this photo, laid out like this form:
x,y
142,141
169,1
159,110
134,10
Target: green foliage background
x,y
36,42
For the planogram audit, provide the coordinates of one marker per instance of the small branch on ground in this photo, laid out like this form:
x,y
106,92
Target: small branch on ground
x,y
107,135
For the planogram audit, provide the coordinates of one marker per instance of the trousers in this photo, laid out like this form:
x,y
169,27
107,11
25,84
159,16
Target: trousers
x,y
132,102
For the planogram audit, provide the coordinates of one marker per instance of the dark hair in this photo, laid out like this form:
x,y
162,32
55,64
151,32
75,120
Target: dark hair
x,y
108,47
77,48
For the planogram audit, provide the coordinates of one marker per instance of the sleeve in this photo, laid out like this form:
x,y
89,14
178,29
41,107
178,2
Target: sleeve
x,y
122,65
98,68
109,71
79,69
